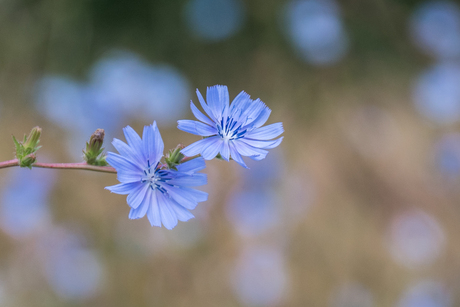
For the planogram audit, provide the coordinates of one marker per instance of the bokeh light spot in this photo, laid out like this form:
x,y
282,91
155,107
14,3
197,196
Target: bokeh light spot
x,y
415,239
316,31
435,28
214,20
437,93
260,277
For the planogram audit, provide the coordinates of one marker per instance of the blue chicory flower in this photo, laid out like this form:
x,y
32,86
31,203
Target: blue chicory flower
x,y
232,130
163,194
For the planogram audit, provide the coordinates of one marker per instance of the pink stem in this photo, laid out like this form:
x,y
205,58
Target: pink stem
x,y
81,165
9,163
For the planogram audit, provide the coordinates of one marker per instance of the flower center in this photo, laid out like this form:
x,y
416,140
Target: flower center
x,y
154,176
230,131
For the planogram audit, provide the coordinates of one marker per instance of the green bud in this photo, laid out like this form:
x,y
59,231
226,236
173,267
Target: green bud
x,y
31,142
28,160
96,141
93,153
25,151
174,157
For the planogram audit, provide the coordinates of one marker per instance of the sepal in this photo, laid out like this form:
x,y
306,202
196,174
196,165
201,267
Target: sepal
x,y
174,157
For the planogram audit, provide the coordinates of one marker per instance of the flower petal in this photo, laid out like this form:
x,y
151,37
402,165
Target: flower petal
x,y
133,139
159,144
253,111
153,213
262,118
141,210
121,163
181,213
199,115
137,196
180,197
153,144
167,214
128,177
262,144
193,165
225,151
212,148
265,133
194,127
190,180
236,156
247,150
126,170
128,152
197,195
123,188
197,147
205,106
224,100
238,104
214,100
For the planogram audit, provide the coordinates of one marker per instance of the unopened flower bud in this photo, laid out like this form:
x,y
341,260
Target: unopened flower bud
x,y
31,142
94,149
25,150
96,141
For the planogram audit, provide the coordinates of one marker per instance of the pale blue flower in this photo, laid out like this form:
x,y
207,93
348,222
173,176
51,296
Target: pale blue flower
x,y
165,195
231,130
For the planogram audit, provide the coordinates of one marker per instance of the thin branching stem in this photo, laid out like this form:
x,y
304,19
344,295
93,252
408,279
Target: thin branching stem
x,y
80,166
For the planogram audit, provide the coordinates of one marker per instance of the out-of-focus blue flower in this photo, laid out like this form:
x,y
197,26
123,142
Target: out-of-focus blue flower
x,y
253,212
447,155
352,294
232,130
66,102
24,206
415,239
139,89
316,31
163,194
60,99
265,173
435,28
427,293
214,20
260,277
437,93
78,108
74,271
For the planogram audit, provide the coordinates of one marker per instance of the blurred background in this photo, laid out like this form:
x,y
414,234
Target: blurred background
x,y
358,207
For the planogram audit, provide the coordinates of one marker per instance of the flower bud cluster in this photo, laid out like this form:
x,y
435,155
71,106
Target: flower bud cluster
x,y
25,151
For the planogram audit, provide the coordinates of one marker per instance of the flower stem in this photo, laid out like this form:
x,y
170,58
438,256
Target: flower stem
x,y
81,166
9,163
